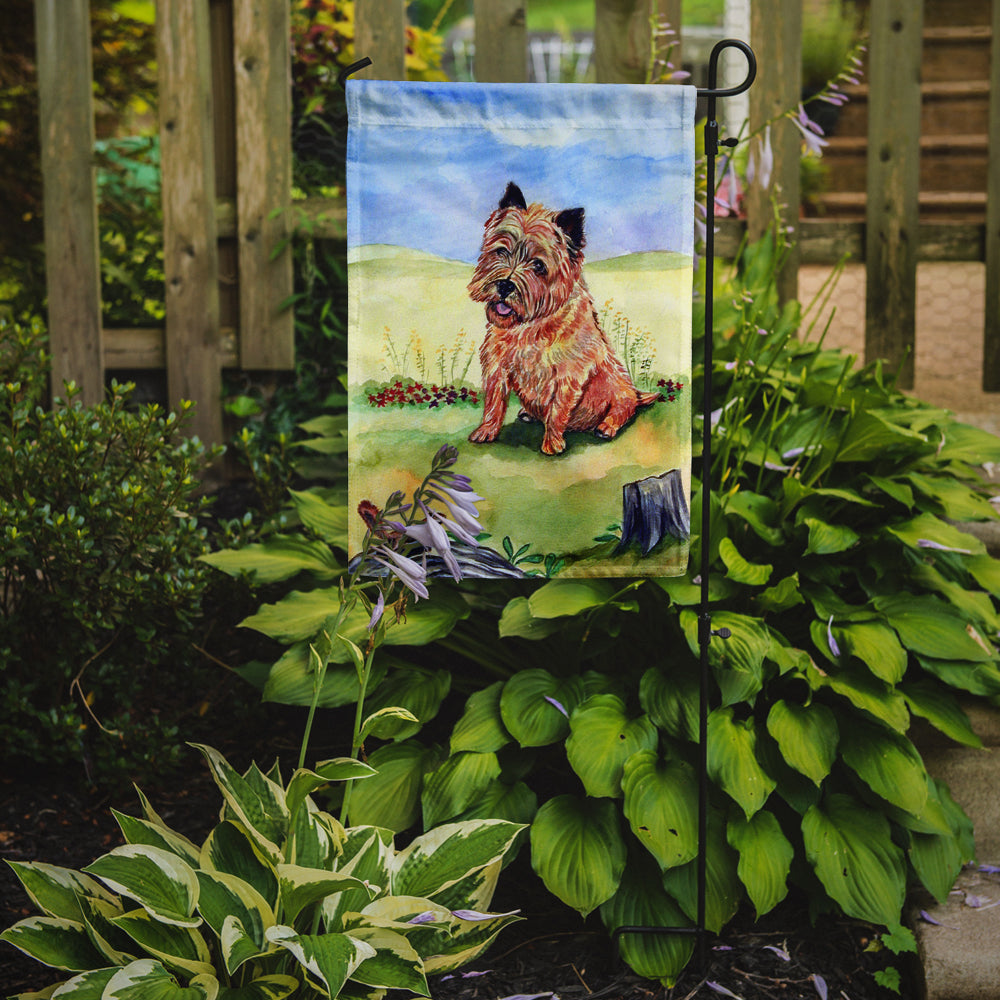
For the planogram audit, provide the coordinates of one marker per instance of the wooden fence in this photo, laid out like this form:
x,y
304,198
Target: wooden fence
x,y
226,160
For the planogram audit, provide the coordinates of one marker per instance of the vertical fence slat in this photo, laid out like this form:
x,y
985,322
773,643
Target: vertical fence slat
x,y
621,40
893,183
501,41
261,57
72,257
380,34
190,253
991,332
776,34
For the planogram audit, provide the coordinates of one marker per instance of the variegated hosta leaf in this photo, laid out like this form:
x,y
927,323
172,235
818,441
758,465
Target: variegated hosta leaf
x,y
456,784
765,858
147,979
177,947
54,941
300,887
476,890
441,857
732,760
329,959
225,897
850,847
395,964
578,851
366,855
116,946
256,801
141,831
602,737
230,849
642,902
158,880
661,805
315,838
807,736
274,987
304,782
481,727
466,941
86,986
535,706
56,891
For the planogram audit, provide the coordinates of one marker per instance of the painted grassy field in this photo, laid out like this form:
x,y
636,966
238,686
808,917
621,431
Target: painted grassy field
x,y
419,329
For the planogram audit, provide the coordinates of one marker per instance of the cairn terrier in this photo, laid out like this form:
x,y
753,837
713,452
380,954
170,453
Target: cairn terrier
x,y
543,339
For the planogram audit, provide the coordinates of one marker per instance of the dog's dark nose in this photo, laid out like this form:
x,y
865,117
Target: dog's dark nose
x,y
505,287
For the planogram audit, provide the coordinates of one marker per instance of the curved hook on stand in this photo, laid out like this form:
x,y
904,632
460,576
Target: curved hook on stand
x,y
353,68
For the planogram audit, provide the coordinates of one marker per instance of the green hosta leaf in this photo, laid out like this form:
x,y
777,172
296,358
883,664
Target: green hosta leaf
x,y
578,851
765,858
975,605
723,889
671,699
304,782
301,887
275,987
876,646
418,690
827,539
893,488
159,881
783,595
965,443
517,620
683,592
732,760
931,628
147,979
865,692
330,959
850,847
741,571
661,799
937,860
327,520
456,784
928,528
260,809
391,798
976,678
54,941
279,558
230,849
738,661
225,897
180,948
141,831
986,572
559,598
941,709
438,859
530,706
56,891
758,511
602,738
888,763
481,728
870,436
386,723
395,964
292,680
807,736
956,500
641,901
515,803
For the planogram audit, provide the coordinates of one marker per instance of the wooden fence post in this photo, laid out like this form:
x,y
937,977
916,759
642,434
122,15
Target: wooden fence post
x,y
501,41
893,183
190,251
776,35
991,332
380,34
262,61
622,40
72,255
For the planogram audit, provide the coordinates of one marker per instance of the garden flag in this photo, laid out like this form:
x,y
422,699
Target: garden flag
x,y
520,263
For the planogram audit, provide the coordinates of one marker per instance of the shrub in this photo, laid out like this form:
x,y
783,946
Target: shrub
x,y
99,539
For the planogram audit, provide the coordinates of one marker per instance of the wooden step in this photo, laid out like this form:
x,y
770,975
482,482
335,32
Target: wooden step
x,y
947,162
956,53
957,206
945,12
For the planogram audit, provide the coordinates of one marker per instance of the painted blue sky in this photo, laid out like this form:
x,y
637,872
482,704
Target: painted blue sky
x,y
427,163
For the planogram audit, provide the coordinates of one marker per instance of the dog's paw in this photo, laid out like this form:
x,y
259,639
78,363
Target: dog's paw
x,y
553,445
482,435
605,431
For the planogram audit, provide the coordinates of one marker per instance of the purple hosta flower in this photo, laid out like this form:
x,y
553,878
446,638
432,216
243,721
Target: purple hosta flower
x,y
761,163
461,504
427,917
719,988
377,612
811,132
820,983
431,535
558,705
727,198
989,869
834,648
475,915
531,996
927,543
927,918
411,574
780,952
465,975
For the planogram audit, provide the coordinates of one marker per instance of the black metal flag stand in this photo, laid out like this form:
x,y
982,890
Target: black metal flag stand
x,y
705,631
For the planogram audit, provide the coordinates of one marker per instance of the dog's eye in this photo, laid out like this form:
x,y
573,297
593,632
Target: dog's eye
x,y
501,252
538,266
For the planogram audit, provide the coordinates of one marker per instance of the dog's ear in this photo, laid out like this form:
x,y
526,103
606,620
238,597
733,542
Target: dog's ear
x,y
512,197
570,221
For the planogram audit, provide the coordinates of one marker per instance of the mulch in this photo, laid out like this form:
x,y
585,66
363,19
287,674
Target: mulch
x,y
552,952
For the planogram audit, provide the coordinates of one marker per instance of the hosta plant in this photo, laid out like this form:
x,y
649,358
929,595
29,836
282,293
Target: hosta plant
x,y
279,900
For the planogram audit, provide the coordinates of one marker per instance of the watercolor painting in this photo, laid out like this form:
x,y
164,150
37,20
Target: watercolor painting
x,y
520,265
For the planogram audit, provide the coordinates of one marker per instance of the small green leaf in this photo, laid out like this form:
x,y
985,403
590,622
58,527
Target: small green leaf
x,y
535,706
279,558
765,858
741,571
807,736
559,598
391,798
456,784
481,727
732,760
828,539
888,763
